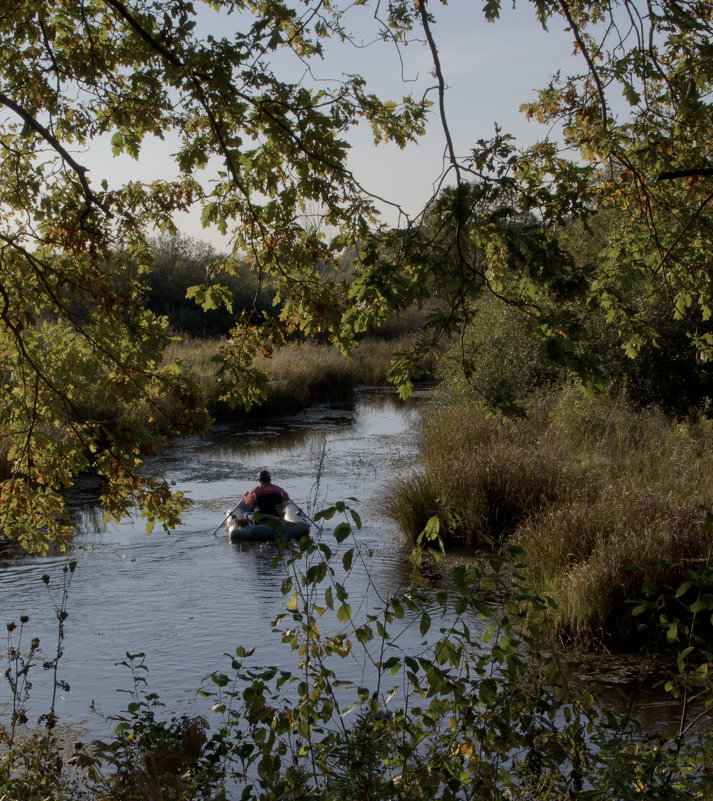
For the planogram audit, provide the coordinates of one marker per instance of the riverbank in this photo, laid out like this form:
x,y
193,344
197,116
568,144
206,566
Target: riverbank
x,y
293,377
606,504
296,375
433,694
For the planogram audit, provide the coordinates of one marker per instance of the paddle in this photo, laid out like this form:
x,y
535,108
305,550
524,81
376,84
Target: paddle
x,y
215,530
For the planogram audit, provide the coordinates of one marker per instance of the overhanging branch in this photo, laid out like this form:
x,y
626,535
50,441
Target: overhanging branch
x,y
52,140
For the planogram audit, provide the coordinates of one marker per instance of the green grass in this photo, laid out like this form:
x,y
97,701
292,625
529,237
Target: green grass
x,y
600,498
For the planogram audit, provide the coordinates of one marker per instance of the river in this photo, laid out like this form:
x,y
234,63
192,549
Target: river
x,y
187,598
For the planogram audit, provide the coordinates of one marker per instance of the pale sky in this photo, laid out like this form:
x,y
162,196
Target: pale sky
x,y
490,69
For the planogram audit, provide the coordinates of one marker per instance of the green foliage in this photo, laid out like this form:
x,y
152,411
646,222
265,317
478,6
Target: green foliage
x,y
32,767
74,402
77,253
505,364
683,612
481,239
649,163
181,285
640,172
480,709
149,757
666,367
498,357
32,770
480,716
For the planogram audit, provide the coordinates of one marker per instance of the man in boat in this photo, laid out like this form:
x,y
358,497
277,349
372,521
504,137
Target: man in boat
x,y
266,498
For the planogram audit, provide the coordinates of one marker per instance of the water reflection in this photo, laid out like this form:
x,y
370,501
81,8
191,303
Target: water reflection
x,y
187,599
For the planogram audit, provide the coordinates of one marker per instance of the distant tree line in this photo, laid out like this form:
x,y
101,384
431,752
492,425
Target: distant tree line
x,y
502,360
181,262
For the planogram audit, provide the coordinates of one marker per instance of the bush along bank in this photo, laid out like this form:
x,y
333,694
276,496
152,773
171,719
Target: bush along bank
x,y
606,503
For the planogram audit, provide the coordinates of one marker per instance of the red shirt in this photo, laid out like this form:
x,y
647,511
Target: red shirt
x,y
266,497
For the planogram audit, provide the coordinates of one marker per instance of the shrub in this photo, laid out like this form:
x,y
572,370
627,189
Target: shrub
x,y
501,358
498,358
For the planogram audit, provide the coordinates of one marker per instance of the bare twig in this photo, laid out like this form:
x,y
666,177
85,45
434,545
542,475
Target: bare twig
x,y
588,58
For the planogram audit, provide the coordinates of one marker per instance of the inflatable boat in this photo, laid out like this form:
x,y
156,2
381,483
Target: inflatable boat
x,y
240,524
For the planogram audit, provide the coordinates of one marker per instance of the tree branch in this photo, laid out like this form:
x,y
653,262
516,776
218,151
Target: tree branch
x,y
441,88
460,221
196,77
689,173
590,63
49,137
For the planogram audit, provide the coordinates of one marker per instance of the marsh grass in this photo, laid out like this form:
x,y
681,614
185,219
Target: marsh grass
x,y
485,474
299,374
305,373
594,557
601,498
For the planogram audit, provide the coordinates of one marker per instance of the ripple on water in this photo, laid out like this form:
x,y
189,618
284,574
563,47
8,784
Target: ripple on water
x,y
187,599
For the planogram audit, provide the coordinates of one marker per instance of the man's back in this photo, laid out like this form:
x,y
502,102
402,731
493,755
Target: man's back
x,y
268,498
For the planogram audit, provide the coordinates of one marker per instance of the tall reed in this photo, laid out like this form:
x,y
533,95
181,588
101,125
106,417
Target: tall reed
x,y
486,474
600,497
299,373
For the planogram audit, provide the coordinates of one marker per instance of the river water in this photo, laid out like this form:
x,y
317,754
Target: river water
x,y
188,598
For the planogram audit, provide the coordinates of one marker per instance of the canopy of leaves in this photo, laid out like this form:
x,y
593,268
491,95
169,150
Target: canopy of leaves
x,y
631,136
81,363
81,358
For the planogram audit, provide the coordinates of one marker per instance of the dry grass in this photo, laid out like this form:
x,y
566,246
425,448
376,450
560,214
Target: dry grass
x,y
484,473
305,373
586,487
299,373
196,355
594,556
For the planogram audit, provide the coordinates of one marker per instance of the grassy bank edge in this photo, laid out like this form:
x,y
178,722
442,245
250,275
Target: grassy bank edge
x,y
297,375
607,503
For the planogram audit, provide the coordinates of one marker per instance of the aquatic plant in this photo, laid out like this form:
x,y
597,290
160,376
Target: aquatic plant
x,y
150,756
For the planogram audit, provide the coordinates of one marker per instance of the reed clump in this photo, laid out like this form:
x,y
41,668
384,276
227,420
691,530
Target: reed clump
x,y
325,373
601,498
299,374
482,476
594,557
304,373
